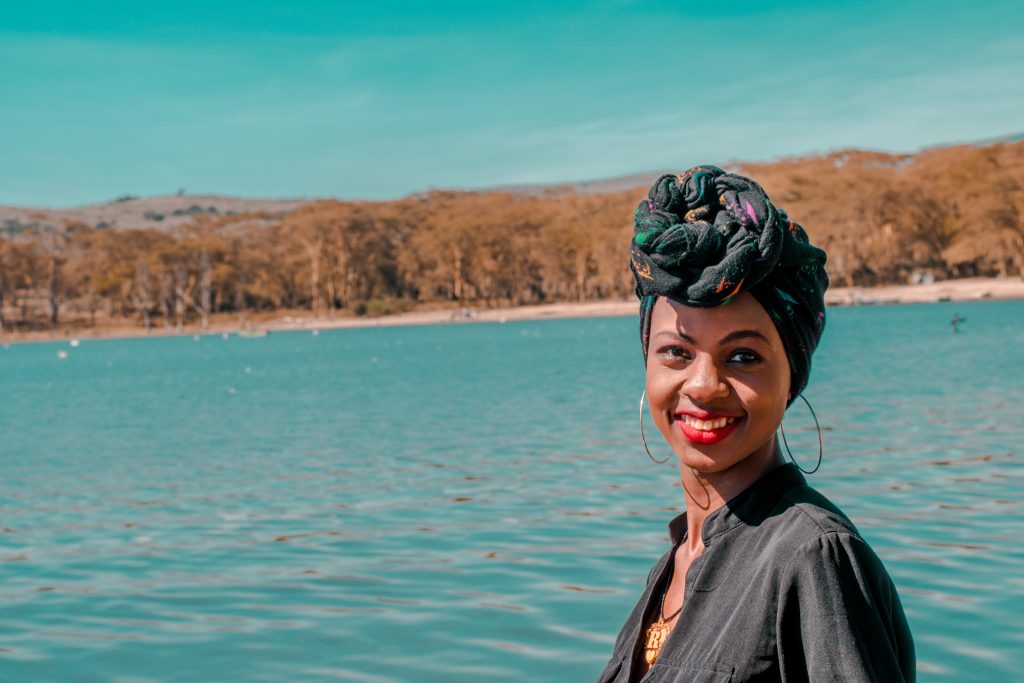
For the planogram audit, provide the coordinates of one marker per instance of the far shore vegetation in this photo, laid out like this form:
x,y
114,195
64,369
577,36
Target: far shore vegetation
x,y
885,219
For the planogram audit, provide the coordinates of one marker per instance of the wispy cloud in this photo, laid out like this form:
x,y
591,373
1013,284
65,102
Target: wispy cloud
x,y
402,99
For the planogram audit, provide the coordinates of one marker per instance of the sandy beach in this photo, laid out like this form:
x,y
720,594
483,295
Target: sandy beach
x,y
968,289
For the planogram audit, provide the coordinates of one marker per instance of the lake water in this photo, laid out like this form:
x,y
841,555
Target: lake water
x,y
463,502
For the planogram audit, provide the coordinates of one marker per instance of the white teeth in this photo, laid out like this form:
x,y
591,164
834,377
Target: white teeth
x,y
708,425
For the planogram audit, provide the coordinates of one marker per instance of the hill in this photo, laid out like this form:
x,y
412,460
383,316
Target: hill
x,y
940,213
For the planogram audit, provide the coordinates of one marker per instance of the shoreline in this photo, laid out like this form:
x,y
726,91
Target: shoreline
x,y
967,289
964,289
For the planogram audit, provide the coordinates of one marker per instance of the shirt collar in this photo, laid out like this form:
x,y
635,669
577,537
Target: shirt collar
x,y
751,506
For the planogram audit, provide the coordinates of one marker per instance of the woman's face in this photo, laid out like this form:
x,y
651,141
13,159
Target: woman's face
x,y
717,381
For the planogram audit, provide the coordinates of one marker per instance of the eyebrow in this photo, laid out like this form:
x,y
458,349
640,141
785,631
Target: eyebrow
x,y
731,337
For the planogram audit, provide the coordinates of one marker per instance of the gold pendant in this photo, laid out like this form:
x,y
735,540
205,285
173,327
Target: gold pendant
x,y
655,637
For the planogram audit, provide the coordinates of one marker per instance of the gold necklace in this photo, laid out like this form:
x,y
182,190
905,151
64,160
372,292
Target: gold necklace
x,y
659,630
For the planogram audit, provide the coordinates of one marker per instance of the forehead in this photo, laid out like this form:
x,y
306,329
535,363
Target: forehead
x,y
710,324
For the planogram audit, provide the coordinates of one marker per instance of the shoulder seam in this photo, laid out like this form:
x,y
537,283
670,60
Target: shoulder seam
x,y
853,531
817,539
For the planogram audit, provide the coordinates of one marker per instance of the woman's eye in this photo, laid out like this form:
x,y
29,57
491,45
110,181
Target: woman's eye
x,y
675,353
745,357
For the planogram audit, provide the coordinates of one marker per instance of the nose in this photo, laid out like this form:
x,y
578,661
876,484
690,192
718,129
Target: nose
x,y
704,383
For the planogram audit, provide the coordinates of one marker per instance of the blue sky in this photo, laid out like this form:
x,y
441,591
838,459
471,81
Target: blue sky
x,y
380,99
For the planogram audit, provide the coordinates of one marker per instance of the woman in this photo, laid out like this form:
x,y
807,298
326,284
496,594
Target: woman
x,y
766,580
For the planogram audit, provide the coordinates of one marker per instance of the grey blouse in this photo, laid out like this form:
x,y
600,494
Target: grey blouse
x,y
785,590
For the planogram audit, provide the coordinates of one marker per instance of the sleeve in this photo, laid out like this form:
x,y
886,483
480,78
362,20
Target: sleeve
x,y
839,617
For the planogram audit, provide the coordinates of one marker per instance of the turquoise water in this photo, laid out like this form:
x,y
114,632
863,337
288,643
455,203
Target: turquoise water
x,y
461,503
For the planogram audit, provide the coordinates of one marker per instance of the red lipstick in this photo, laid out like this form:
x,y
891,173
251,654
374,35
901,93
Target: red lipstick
x,y
702,436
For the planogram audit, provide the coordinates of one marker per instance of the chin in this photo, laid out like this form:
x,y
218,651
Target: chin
x,y
707,463
711,460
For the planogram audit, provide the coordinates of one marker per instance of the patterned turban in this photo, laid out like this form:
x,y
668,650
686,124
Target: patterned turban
x,y
703,237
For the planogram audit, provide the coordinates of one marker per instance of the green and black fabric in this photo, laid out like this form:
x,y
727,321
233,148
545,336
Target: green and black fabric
x,y
703,237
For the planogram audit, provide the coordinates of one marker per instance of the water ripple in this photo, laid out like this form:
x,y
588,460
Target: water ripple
x,y
473,505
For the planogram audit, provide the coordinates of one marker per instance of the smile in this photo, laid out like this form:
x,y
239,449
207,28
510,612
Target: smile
x,y
708,425
706,431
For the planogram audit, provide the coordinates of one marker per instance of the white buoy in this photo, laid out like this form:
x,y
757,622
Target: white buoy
x,y
195,337
62,354
74,343
316,332
224,335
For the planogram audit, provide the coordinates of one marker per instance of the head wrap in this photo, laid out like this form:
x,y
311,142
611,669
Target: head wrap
x,y
703,237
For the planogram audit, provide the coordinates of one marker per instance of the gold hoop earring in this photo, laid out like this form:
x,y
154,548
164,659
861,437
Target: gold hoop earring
x,y
644,438
820,447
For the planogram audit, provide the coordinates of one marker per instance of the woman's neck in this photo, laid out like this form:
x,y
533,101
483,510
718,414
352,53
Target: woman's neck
x,y
705,492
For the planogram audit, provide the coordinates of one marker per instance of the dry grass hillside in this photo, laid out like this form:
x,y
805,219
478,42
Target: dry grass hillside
x,y
943,213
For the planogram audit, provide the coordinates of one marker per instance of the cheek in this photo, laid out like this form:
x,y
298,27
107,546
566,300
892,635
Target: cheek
x,y
662,389
765,399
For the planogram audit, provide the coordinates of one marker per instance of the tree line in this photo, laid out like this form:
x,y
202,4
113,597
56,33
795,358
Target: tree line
x,y
948,212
